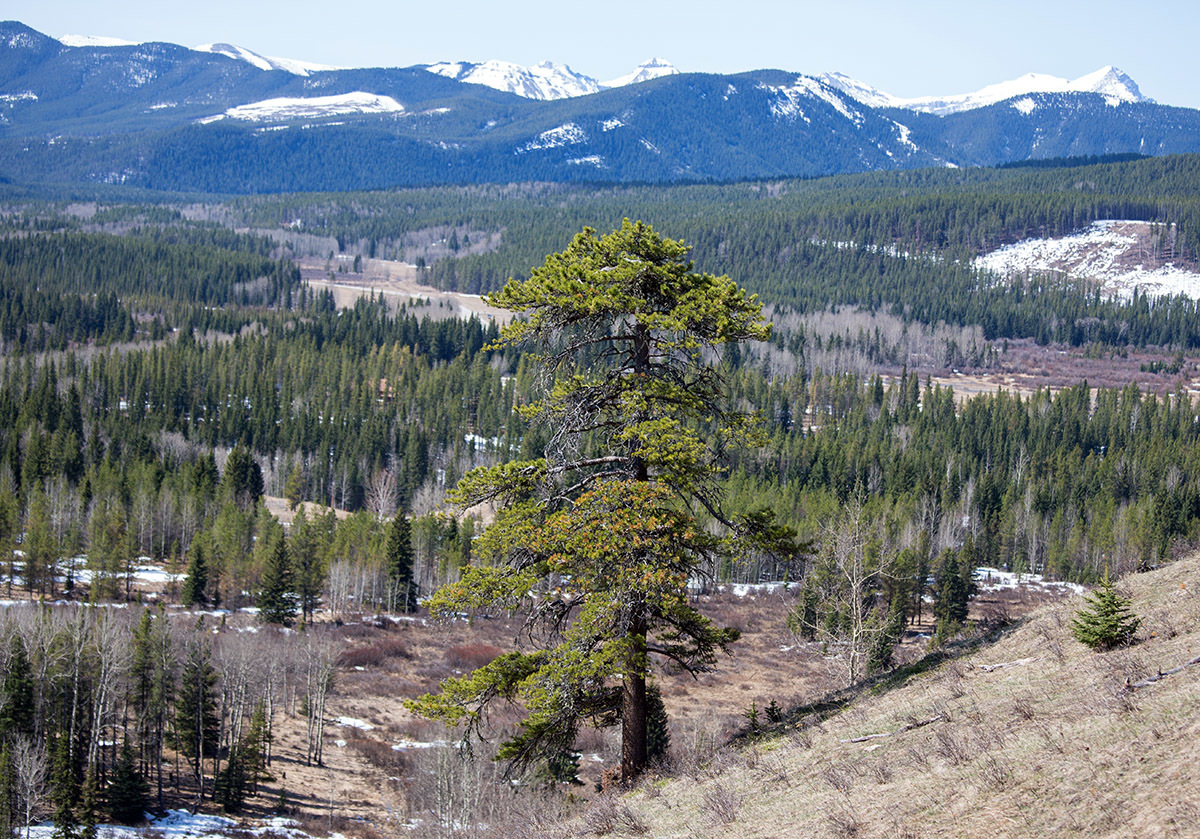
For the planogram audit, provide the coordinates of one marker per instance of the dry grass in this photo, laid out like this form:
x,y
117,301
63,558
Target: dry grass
x,y
1055,746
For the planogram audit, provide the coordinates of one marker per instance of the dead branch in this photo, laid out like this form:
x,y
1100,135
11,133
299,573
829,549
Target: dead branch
x,y
988,668
909,727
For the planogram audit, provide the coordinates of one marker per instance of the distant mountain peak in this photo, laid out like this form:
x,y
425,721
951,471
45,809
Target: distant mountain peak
x,y
654,68
263,62
545,80
1108,81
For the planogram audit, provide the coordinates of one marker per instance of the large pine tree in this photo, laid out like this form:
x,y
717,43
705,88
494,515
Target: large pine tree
x,y
600,528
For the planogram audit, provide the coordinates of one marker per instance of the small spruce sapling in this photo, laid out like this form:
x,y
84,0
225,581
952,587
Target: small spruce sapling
x,y
1107,620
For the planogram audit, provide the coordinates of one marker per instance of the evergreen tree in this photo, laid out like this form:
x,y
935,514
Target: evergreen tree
x,y
254,748
128,792
628,332
65,786
658,730
17,692
8,787
196,722
307,563
1107,620
229,788
89,805
276,600
953,593
399,559
196,582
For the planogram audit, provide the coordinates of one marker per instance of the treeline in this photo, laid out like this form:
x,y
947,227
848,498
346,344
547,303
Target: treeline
x,y
105,712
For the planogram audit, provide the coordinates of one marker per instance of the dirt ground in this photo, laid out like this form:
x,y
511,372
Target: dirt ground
x,y
397,281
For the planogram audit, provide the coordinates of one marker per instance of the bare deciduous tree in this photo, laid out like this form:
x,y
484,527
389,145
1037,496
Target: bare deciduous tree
x,y
29,761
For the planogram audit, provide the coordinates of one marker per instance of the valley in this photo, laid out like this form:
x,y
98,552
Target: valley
x,y
477,448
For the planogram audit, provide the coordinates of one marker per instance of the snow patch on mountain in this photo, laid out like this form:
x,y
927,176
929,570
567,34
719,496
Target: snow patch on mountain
x,y
786,103
611,124
1122,256
1109,81
95,41
316,107
263,62
564,135
1025,105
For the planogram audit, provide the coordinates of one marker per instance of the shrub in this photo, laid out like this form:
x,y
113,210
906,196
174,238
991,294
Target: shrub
x,y
1107,620
471,656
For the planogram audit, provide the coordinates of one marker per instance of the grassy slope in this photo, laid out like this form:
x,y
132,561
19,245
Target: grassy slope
x,y
1054,746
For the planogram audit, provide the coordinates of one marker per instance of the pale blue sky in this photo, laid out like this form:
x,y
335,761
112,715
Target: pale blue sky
x,y
909,49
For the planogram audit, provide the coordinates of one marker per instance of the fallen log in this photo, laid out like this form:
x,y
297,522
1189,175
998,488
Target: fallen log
x,y
988,668
909,727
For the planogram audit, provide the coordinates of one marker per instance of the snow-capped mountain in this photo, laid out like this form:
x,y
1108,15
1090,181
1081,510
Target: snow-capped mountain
x,y
225,119
547,80
263,62
1110,82
655,68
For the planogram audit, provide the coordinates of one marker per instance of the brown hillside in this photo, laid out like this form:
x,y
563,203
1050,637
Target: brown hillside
x,y
1055,741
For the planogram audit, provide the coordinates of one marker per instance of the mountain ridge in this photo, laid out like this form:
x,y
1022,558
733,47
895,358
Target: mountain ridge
x,y
556,80
169,117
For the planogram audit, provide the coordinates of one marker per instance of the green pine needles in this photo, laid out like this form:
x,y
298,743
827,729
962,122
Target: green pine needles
x,y
1107,621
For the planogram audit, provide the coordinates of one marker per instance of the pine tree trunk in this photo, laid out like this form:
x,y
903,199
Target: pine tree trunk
x,y
633,711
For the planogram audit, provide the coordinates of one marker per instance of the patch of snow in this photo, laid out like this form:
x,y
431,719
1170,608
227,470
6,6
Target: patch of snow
x,y
753,589
993,579
1025,105
611,124
1107,252
786,103
95,41
351,722
564,135
13,98
591,160
404,745
358,102
905,136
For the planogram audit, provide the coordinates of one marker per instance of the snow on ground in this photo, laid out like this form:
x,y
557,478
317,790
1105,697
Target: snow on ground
x,y
95,41
351,722
284,108
1109,252
180,824
993,579
564,135
405,745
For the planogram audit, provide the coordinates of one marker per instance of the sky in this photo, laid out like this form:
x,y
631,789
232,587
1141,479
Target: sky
x,y
909,49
